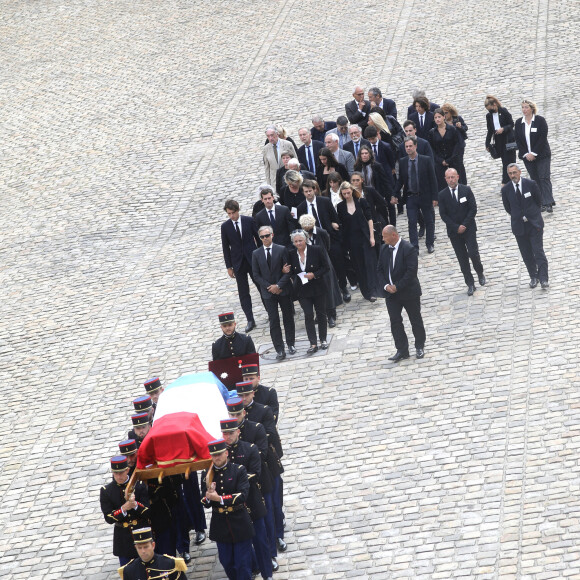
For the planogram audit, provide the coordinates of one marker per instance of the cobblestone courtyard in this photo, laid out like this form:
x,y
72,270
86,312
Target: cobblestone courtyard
x,y
123,128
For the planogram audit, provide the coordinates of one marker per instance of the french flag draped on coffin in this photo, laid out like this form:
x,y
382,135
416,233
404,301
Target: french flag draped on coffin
x,y
187,418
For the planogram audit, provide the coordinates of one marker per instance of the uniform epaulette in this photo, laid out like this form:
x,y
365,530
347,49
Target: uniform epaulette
x,y
180,564
122,568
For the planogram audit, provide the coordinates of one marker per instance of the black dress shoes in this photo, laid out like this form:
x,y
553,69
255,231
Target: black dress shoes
x,y
549,209
430,249
282,547
275,565
281,355
482,280
533,282
543,208
292,349
331,322
420,353
323,345
312,350
399,355
470,290
346,296
199,538
545,285
186,557
250,326
373,299
421,231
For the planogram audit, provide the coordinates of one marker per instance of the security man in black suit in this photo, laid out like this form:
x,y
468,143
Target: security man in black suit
x,y
397,276
357,110
523,201
276,289
239,239
277,216
247,454
264,395
418,182
124,514
252,432
457,208
232,343
150,564
225,489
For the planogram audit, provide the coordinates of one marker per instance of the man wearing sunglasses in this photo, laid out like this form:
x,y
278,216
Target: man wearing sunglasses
x,y
276,289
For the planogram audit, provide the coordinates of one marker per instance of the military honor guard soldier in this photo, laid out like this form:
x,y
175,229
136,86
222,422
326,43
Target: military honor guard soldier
x,y
144,404
225,488
128,448
150,565
154,389
123,514
262,394
232,343
141,426
247,454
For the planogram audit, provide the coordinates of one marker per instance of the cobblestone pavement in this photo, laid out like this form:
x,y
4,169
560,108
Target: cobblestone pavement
x,y
124,126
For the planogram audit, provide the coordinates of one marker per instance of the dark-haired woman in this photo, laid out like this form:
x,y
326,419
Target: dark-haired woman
x,y
448,146
500,128
327,163
373,172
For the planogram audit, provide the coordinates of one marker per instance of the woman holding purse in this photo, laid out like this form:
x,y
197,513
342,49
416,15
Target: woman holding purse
x,y
500,125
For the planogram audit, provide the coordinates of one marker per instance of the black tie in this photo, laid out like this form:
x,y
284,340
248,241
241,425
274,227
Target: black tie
x,y
315,215
421,118
310,160
375,149
238,230
275,150
269,258
518,190
454,196
272,218
413,181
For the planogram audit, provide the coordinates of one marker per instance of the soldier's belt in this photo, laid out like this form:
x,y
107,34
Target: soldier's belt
x,y
126,524
227,510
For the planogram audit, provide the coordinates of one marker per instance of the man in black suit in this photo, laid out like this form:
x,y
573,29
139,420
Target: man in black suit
x,y
523,201
358,109
419,93
323,211
423,146
308,152
276,289
387,105
320,128
457,208
239,240
419,184
397,276
277,216
423,118
356,141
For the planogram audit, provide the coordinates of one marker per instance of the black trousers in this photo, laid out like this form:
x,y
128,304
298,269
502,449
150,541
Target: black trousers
x,y
531,247
336,256
507,157
539,171
395,307
309,304
244,288
285,303
466,248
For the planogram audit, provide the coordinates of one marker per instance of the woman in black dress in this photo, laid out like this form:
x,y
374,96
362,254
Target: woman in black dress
x,y
500,128
448,146
358,238
373,172
326,164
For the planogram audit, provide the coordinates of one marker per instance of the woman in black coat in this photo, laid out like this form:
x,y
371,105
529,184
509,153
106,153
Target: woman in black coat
x,y
358,238
326,164
537,156
373,172
308,266
500,128
448,147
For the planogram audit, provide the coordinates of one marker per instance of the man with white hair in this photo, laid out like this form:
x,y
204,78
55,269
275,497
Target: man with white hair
x,y
358,109
342,156
356,141
308,152
295,165
272,154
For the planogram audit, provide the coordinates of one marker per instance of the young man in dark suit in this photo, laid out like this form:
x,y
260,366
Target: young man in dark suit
x,y
423,146
397,276
276,289
239,240
419,185
457,208
523,201
277,216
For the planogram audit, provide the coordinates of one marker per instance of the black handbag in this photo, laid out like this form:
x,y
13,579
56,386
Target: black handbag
x,y
493,149
510,139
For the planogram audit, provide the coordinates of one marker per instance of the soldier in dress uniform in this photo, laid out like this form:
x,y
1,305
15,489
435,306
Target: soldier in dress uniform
x,y
123,514
153,388
164,500
262,414
262,394
144,404
232,343
150,565
141,426
128,448
247,454
225,488
255,433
